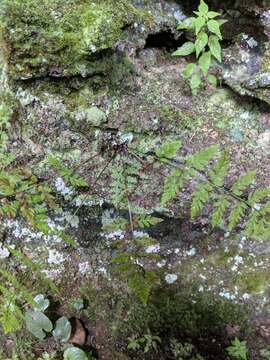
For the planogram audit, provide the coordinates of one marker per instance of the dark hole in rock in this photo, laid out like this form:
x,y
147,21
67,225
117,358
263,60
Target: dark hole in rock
x,y
164,39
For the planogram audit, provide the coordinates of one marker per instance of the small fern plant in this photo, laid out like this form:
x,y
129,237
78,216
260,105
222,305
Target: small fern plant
x,y
234,205
238,349
206,46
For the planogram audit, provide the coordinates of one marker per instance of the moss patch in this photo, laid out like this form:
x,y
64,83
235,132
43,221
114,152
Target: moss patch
x,y
61,38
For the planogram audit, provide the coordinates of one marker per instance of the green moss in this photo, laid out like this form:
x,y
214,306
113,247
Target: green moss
x,y
61,38
253,283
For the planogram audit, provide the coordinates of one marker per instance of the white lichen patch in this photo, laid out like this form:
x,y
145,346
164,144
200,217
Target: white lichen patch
x,y
84,267
55,257
4,252
153,249
171,278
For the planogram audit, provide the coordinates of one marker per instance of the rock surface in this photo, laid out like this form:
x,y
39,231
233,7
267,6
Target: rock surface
x,y
83,80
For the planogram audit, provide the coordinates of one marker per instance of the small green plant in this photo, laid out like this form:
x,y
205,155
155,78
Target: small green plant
x,y
147,342
206,46
39,325
128,263
265,354
238,349
184,351
46,356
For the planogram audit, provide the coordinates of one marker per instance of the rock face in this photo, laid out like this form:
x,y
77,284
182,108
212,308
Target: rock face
x,y
246,67
80,80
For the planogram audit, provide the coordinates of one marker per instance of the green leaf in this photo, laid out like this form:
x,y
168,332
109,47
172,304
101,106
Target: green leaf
x,y
236,214
199,198
188,70
74,353
220,207
38,324
243,182
222,22
201,42
173,183
203,8
141,284
41,303
62,329
201,158
220,169
186,49
238,349
198,24
213,14
215,47
169,149
195,82
258,195
205,61
214,28
145,221
212,79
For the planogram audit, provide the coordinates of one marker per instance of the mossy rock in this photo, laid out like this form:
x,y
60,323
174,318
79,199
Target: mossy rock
x,y
61,38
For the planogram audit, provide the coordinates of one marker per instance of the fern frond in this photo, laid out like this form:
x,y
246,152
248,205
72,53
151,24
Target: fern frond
x,y
243,182
141,284
199,197
168,150
220,207
201,158
173,184
145,221
257,196
236,214
219,170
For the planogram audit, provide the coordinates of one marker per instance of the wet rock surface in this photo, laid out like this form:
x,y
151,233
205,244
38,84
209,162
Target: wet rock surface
x,y
81,92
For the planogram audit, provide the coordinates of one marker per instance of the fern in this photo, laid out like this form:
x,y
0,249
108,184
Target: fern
x,y
145,221
236,214
208,169
220,207
168,149
173,184
219,170
200,159
124,182
199,197
243,182
68,174
142,283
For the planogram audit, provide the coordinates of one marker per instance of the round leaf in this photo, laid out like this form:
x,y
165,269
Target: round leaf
x,y
62,329
41,303
186,49
38,324
74,353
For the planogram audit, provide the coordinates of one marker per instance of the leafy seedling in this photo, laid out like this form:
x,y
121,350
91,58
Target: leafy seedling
x,y
62,330
38,324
